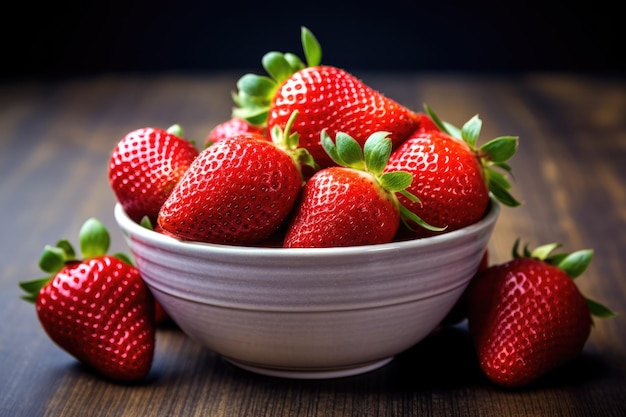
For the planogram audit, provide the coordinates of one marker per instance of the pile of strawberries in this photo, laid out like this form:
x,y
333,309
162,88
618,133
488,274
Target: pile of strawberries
x,y
313,157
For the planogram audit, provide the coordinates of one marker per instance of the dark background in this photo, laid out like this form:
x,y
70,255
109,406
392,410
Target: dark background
x,y
55,40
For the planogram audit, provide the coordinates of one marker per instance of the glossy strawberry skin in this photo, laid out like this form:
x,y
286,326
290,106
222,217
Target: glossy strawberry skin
x,y
447,178
332,99
238,191
526,318
231,127
342,207
101,312
144,168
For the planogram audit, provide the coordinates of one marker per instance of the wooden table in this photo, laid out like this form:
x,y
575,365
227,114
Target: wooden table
x,y
569,172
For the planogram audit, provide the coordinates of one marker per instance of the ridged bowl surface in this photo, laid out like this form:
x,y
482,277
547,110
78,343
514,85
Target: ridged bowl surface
x,y
309,313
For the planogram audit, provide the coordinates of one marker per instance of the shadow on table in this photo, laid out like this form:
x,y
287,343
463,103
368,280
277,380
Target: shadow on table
x,y
444,361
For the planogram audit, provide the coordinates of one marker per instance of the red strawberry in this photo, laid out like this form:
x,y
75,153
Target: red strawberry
x,y
451,177
98,308
145,166
232,127
527,316
238,191
327,98
426,124
160,315
353,203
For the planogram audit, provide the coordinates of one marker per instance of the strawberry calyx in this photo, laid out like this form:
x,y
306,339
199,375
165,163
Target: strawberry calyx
x,y
177,130
493,155
255,92
572,263
289,142
372,158
94,240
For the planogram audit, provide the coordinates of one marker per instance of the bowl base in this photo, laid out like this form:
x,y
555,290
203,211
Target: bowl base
x,y
300,373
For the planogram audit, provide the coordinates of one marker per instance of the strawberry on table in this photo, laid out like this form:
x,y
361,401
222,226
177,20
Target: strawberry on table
x,y
452,177
353,203
327,98
98,309
238,191
145,166
527,316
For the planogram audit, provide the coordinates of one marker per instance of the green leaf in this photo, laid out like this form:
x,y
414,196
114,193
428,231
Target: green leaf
x,y
255,116
498,178
395,181
349,151
502,166
556,258
515,251
600,310
94,238
146,223
452,130
542,252
330,148
304,157
444,126
67,248
277,66
176,130
312,48
471,131
410,196
124,258
575,263
405,213
502,195
242,99
294,61
52,259
32,288
435,118
500,149
257,85
283,138
376,150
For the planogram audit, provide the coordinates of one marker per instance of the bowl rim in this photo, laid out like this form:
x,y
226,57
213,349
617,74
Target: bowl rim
x,y
130,227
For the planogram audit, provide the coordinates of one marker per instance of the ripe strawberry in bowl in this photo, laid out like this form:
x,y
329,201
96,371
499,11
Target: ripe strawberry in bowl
x,y
238,190
453,177
353,203
231,127
328,98
145,166
306,313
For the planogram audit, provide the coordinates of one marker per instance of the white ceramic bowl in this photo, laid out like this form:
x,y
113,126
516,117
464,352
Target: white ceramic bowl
x,y
309,313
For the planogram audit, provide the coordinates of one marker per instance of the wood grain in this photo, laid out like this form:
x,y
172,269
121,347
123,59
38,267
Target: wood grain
x,y
570,172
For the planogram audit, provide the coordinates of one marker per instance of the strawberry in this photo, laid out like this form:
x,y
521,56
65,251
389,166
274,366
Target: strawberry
x,y
327,98
145,166
231,127
527,316
97,309
452,178
353,203
238,190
